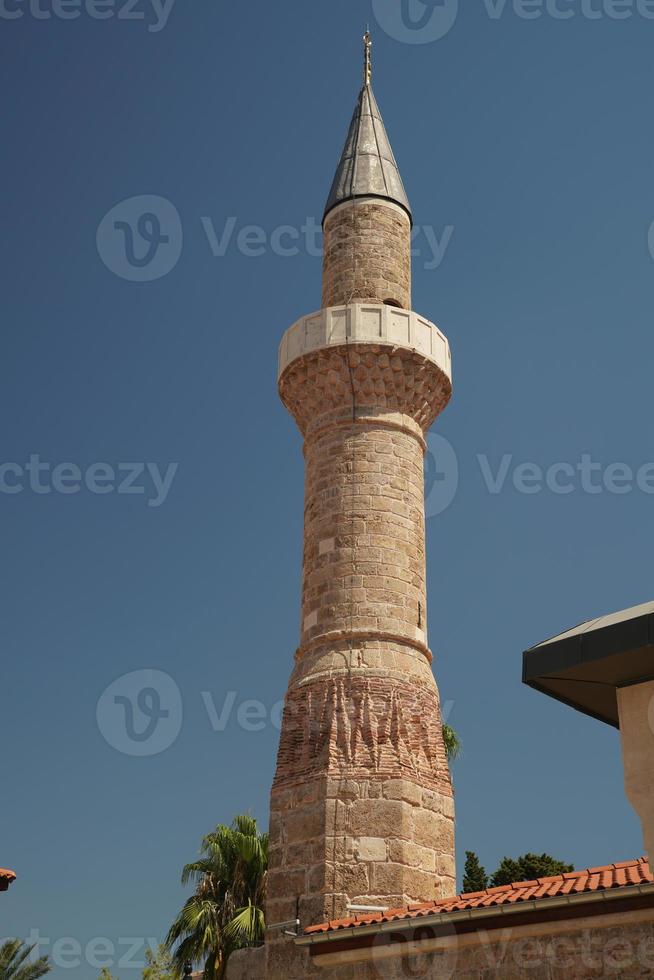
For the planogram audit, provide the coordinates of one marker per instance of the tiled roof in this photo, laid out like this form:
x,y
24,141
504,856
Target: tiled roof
x,y
6,878
618,875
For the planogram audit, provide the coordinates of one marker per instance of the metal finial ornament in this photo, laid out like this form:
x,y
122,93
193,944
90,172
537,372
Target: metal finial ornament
x,y
367,70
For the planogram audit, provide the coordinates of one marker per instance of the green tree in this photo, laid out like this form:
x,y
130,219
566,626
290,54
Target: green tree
x,y
527,867
13,962
159,965
225,912
105,974
475,878
452,743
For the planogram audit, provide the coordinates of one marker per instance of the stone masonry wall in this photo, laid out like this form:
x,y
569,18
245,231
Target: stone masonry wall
x,y
367,254
364,541
361,807
617,946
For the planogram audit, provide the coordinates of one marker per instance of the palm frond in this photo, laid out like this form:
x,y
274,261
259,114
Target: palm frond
x,y
247,927
225,911
14,965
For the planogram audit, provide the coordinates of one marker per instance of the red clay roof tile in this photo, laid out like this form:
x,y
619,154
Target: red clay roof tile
x,y
622,874
6,878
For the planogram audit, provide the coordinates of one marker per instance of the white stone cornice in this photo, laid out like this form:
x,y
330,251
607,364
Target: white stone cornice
x,y
365,323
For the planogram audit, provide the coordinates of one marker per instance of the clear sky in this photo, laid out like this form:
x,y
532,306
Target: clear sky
x,y
526,146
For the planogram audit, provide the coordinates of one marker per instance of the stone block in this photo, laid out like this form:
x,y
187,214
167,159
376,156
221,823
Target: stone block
x,y
384,818
371,848
402,789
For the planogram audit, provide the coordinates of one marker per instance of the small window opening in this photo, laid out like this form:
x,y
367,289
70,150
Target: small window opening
x,y
392,302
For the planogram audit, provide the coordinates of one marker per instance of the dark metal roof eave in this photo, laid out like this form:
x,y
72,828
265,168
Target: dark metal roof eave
x,y
584,667
568,702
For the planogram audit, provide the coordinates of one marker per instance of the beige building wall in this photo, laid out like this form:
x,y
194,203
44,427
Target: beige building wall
x,y
636,708
619,945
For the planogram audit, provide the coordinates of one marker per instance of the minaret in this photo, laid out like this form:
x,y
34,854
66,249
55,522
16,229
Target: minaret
x,y
361,806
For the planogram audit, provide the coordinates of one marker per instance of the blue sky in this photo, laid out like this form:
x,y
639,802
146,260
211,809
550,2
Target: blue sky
x,y
526,148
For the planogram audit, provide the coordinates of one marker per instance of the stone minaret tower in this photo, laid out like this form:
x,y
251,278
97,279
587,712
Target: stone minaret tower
x,y
361,806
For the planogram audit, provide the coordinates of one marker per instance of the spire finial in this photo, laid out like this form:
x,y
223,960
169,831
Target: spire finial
x,y
367,47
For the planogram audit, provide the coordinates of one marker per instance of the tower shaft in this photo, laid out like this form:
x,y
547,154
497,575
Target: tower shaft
x,y
367,254
361,806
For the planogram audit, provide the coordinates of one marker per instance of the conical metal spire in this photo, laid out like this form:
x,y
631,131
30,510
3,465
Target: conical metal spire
x,y
367,166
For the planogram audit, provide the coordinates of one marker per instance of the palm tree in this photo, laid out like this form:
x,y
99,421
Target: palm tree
x,y
225,912
13,954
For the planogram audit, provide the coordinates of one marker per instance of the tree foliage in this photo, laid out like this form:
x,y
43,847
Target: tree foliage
x,y
475,878
527,867
524,868
225,912
14,955
159,965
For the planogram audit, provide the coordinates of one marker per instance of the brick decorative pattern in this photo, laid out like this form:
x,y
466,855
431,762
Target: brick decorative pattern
x,y
355,725
367,254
